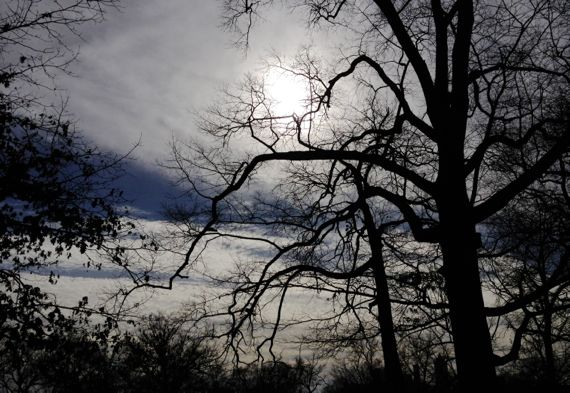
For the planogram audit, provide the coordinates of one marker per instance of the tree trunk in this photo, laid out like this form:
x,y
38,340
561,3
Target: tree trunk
x,y
550,366
471,337
392,365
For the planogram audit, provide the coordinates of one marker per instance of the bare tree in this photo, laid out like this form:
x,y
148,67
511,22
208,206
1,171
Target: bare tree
x,y
165,355
36,41
439,92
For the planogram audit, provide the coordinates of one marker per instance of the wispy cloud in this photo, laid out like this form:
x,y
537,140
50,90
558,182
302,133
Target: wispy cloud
x,y
145,70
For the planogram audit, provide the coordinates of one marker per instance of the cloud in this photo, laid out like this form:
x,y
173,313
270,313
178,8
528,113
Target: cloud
x,y
146,188
145,70
141,76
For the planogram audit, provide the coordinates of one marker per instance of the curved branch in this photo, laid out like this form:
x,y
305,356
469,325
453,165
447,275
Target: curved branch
x,y
410,49
416,226
409,115
502,197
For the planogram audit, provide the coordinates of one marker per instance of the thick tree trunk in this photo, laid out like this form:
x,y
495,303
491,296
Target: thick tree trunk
x,y
471,336
459,243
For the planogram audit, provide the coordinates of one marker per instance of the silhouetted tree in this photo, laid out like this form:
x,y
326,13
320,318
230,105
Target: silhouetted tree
x,y
35,42
277,376
42,350
55,187
55,184
56,194
440,93
358,369
77,360
164,355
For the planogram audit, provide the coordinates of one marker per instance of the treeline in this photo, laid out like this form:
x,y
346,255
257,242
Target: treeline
x,y
159,354
164,354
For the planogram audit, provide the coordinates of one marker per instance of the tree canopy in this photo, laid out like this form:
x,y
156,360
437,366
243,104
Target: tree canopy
x,y
57,198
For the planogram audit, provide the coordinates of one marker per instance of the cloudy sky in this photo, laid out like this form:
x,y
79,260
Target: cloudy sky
x,y
147,70
141,78
142,75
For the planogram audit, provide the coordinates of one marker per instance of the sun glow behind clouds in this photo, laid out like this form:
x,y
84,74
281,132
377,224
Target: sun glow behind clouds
x,y
289,93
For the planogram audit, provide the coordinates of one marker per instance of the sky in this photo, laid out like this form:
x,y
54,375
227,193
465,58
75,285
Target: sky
x,y
149,68
144,74
141,77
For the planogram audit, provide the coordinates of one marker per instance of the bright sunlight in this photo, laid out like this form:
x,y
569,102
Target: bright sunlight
x,y
288,92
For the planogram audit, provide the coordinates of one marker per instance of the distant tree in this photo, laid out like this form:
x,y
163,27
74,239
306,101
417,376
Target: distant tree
x,y
43,350
359,369
276,376
77,359
164,355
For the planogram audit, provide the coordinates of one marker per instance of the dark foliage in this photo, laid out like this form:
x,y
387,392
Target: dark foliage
x,y
56,201
54,194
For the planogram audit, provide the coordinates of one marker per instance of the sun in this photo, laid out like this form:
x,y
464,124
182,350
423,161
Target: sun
x,y
288,92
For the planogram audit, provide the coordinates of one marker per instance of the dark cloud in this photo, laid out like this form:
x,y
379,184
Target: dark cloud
x,y
146,189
